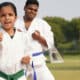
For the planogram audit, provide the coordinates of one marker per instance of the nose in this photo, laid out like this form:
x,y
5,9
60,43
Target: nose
x,y
34,10
7,17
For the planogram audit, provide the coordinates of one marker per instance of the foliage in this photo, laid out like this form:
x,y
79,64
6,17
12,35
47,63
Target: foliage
x,y
66,33
76,23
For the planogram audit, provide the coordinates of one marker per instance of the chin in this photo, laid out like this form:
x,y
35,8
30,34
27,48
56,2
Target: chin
x,y
7,28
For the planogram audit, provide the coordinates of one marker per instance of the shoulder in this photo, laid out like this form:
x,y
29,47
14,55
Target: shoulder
x,y
19,23
22,34
19,30
19,20
41,21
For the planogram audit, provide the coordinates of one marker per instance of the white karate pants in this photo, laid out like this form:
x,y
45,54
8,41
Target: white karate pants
x,y
42,73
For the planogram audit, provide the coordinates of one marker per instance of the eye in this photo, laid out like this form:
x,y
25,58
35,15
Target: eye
x,y
10,14
2,15
33,9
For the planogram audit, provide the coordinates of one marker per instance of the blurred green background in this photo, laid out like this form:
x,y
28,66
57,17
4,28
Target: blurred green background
x,y
69,70
67,41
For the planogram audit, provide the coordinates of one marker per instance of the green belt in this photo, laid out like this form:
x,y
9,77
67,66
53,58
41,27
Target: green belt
x,y
13,76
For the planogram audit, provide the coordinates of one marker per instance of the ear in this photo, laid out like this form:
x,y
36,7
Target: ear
x,y
24,8
15,17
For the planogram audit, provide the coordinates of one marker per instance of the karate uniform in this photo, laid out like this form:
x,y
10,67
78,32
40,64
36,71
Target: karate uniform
x,y
11,52
41,69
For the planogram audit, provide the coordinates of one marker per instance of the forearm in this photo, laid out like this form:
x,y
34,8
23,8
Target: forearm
x,y
42,41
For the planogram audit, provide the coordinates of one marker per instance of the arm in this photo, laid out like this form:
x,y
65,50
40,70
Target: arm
x,y
25,60
1,36
36,36
44,35
48,35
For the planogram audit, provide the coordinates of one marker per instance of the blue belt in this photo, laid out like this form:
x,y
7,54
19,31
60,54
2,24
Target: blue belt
x,y
35,54
34,72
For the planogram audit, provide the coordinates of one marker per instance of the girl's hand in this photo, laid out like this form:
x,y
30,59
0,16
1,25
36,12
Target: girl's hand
x,y
25,60
1,36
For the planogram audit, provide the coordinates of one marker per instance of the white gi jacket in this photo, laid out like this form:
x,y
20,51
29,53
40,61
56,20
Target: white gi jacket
x,y
35,46
11,52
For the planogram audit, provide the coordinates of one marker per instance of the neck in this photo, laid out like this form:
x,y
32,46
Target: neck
x,y
28,22
26,19
10,31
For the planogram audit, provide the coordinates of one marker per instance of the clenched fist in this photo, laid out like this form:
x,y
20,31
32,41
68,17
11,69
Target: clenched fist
x,y
1,36
36,35
25,60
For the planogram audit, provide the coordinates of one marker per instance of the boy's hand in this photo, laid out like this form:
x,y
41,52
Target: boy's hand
x,y
1,36
25,60
36,35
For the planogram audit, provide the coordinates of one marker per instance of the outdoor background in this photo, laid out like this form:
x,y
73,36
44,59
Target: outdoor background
x,y
67,41
64,18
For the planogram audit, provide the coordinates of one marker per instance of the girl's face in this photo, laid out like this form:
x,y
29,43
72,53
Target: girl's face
x,y
7,17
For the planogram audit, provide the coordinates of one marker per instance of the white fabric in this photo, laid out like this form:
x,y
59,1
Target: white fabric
x,y
12,51
42,73
40,25
35,46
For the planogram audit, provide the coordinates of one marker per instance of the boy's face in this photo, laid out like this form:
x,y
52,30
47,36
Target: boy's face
x,y
7,17
31,11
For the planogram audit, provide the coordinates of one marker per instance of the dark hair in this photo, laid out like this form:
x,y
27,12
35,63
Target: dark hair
x,y
9,4
28,2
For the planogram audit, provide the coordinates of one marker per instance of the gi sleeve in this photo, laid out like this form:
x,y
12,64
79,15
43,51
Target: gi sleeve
x,y
48,35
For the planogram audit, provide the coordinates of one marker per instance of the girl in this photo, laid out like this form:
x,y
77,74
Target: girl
x,y
12,45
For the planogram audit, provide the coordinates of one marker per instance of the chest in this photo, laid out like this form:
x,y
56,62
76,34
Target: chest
x,y
12,44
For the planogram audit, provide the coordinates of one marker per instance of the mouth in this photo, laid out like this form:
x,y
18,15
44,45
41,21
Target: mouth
x,y
7,23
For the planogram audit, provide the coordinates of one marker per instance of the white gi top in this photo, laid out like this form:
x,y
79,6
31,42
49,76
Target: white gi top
x,y
35,46
11,52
